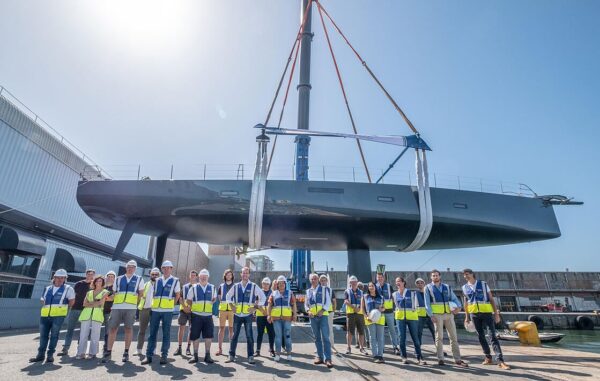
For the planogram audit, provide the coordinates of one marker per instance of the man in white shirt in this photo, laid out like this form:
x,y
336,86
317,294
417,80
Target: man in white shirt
x,y
244,297
145,308
56,300
127,289
317,304
166,292
200,299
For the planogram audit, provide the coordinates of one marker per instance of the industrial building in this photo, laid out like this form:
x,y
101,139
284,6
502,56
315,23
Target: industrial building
x,y
42,228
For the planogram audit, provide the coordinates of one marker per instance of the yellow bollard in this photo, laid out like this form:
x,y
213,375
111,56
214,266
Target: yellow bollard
x,y
528,333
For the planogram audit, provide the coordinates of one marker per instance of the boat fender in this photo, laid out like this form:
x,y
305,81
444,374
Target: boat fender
x,y
584,322
539,322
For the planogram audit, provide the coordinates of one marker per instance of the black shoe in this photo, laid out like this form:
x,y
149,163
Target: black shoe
x,y
125,356
177,352
257,354
38,358
208,359
188,352
49,358
147,360
163,360
272,353
63,352
396,351
106,357
194,360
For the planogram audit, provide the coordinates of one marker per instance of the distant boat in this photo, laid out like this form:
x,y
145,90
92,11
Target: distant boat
x,y
545,337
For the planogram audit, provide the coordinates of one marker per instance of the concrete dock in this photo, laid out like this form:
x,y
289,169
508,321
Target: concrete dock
x,y
530,363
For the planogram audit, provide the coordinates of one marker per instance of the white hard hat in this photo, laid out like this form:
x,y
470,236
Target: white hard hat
x,y
266,280
167,264
375,315
132,263
470,327
155,271
204,272
353,279
61,273
323,276
281,278
419,280
111,273
453,306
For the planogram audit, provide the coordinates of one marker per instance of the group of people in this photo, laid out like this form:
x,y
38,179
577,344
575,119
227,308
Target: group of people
x,y
433,305
112,300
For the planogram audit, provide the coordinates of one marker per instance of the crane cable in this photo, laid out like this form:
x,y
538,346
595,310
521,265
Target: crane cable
x,y
337,70
364,63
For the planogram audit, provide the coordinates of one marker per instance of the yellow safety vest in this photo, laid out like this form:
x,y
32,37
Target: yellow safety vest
x,y
93,313
353,301
161,301
200,303
184,291
421,311
388,304
258,311
243,306
142,302
124,293
315,307
55,305
403,312
439,303
282,305
223,305
381,320
477,298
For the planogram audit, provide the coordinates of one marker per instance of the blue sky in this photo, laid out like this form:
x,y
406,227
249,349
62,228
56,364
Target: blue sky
x,y
505,90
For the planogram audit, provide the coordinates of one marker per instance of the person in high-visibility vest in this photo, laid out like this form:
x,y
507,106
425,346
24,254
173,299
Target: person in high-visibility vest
x,y
317,304
200,299
185,318
127,290
324,281
385,290
354,315
244,298
442,304
166,293
81,288
91,319
424,319
373,300
406,315
56,301
262,323
108,286
480,307
145,309
225,311
281,312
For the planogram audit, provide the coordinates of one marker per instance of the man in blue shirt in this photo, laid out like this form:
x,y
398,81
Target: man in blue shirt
x,y
442,304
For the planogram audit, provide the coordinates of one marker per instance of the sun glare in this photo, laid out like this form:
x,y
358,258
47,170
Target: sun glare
x,y
143,25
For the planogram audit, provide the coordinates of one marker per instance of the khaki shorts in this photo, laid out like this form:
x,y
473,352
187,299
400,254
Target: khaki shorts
x,y
356,321
184,318
127,317
226,316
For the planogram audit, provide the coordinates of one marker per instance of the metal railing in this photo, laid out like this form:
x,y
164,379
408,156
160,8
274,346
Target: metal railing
x,y
35,118
244,171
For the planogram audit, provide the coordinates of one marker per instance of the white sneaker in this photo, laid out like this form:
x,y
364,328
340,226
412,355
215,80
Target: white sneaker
x,y
276,358
138,352
289,357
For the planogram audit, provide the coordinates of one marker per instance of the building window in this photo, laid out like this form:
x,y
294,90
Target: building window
x,y
8,290
25,291
19,264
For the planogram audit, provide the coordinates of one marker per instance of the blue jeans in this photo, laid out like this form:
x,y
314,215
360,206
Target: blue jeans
x,y
155,319
377,333
72,320
483,321
413,329
320,328
237,327
425,321
390,322
283,330
49,331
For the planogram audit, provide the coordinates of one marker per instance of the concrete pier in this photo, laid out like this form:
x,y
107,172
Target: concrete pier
x,y
528,363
